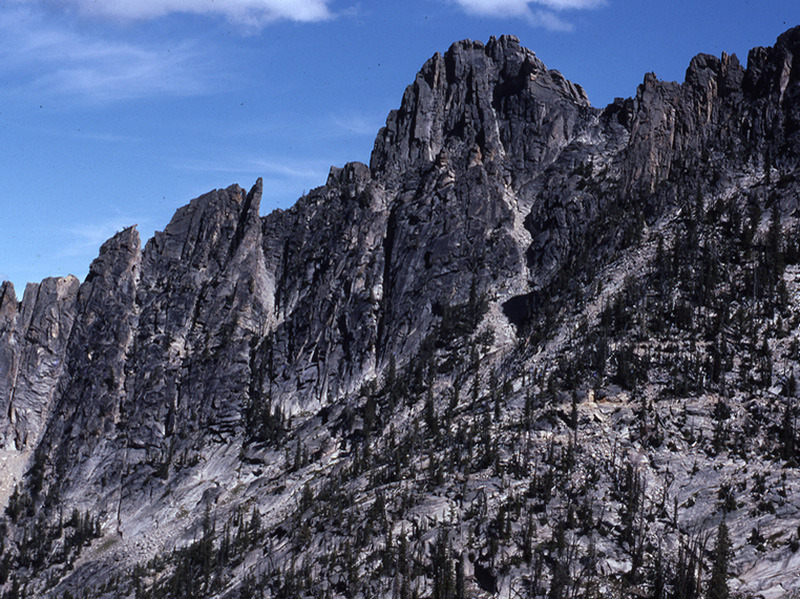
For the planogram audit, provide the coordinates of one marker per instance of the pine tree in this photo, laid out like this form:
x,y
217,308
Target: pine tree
x,y
787,431
461,592
444,583
718,583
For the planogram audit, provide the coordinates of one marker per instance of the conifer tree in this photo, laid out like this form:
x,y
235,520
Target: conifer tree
x,y
718,583
444,583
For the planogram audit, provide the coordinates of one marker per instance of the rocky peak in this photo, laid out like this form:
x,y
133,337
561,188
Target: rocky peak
x,y
770,70
351,180
202,278
716,76
8,304
118,257
94,358
670,123
496,99
206,233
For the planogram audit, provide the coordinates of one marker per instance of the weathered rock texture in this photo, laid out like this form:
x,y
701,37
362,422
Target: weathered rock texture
x,y
34,338
534,347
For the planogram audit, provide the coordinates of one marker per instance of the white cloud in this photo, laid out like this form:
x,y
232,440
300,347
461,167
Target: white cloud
x,y
250,12
537,12
123,77
505,8
570,4
47,57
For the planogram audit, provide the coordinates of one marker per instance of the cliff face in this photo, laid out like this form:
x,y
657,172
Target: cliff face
x,y
388,359
34,337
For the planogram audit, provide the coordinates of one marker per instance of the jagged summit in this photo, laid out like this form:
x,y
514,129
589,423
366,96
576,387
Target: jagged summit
x,y
478,99
535,348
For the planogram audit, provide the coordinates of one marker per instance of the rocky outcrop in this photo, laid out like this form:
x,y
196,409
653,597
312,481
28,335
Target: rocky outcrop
x,y
203,293
158,362
493,102
33,336
87,407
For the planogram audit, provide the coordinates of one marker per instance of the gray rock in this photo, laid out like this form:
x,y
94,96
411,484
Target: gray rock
x,y
33,335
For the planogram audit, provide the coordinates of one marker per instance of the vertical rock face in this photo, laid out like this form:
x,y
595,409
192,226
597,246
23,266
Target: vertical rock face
x,y
501,218
720,112
88,403
772,84
326,254
33,337
158,361
204,292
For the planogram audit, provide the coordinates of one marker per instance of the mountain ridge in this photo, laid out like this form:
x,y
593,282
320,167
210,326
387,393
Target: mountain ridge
x,y
519,288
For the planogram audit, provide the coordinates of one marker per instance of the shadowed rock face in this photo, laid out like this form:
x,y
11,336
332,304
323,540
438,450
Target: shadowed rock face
x,y
501,217
33,339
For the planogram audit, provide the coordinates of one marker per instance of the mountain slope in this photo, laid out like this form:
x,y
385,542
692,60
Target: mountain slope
x,y
535,347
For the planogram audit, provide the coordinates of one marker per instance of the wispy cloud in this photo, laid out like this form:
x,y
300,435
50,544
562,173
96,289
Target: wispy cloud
x,y
285,168
358,124
570,4
285,178
86,239
47,57
541,13
249,12
300,170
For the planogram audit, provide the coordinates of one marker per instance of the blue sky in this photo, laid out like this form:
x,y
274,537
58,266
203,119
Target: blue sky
x,y
117,112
